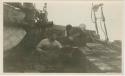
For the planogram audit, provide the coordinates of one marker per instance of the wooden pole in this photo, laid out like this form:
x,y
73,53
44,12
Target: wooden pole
x,y
45,11
95,21
104,24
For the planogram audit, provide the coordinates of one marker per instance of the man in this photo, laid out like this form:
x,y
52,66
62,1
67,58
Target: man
x,y
68,29
49,43
68,40
76,36
50,48
83,37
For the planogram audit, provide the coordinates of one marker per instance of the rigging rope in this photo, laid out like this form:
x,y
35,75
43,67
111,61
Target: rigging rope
x,y
92,17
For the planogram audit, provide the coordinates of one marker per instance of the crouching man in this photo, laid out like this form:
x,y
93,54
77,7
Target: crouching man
x,y
49,49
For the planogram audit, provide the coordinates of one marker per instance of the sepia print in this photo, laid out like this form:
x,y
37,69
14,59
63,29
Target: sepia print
x,y
62,37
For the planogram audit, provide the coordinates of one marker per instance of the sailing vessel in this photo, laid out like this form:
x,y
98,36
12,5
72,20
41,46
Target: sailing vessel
x,y
31,26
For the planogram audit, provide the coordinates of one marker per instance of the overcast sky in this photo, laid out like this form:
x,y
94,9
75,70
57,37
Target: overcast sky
x,y
75,13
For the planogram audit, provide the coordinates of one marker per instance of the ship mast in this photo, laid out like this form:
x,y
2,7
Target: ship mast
x,y
45,12
103,19
95,8
95,19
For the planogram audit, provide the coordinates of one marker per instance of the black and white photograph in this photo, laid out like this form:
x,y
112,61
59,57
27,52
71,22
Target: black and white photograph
x,y
62,36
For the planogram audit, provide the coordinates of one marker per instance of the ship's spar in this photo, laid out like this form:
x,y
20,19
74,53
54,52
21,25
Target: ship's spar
x,y
94,18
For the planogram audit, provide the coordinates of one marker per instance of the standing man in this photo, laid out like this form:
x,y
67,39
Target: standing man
x,y
68,40
83,34
76,36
